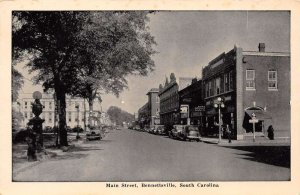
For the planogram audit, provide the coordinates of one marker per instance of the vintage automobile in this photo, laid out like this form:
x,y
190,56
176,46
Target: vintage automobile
x,y
176,132
159,129
94,133
191,133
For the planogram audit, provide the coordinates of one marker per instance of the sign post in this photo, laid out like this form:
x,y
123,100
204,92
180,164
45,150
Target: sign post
x,y
253,121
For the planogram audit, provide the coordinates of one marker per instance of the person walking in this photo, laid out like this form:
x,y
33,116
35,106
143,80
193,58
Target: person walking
x,y
228,131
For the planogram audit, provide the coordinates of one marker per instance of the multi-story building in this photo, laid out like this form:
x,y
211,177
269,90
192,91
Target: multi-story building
x,y
153,104
144,115
247,82
74,116
191,98
169,100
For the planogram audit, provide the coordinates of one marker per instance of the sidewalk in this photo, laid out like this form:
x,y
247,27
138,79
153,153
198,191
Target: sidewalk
x,y
20,162
224,142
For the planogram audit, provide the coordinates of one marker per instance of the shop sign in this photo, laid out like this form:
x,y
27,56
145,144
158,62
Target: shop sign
x,y
184,115
184,108
196,114
200,108
187,100
227,98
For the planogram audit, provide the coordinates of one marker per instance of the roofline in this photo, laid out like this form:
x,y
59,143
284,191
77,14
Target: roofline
x,y
257,53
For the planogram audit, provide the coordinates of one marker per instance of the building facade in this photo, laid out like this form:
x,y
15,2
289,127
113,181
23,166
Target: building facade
x,y
74,116
249,80
169,100
153,103
191,97
144,115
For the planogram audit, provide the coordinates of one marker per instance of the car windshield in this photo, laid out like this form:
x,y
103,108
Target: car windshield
x,y
179,128
191,128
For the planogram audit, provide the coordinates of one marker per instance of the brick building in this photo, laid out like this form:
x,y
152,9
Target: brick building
x,y
153,103
192,97
248,81
169,100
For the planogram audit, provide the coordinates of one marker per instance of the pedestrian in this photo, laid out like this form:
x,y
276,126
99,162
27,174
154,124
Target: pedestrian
x,y
228,131
271,132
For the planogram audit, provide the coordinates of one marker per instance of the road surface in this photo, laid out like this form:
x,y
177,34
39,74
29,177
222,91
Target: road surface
x,y
129,155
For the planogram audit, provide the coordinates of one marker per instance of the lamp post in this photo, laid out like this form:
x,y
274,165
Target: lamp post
x,y
219,104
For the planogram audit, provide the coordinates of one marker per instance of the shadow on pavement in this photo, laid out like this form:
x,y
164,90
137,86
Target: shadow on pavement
x,y
273,155
68,156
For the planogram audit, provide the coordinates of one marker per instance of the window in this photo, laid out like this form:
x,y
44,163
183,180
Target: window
x,y
217,86
210,88
26,115
206,90
70,116
272,79
25,105
226,83
50,116
50,105
250,79
230,80
157,99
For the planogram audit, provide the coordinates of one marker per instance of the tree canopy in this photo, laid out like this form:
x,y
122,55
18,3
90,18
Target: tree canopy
x,y
83,53
118,116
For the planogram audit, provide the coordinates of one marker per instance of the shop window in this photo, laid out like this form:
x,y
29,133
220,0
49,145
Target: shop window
x,y
272,80
250,79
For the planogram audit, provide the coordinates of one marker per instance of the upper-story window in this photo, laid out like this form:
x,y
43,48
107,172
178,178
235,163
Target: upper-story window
x,y
206,90
230,80
217,86
25,105
272,79
50,105
250,79
70,117
210,88
226,82
157,99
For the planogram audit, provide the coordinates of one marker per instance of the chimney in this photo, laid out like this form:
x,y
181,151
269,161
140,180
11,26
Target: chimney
x,y
261,47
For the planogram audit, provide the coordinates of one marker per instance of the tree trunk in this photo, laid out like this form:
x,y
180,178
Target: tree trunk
x,y
61,97
90,100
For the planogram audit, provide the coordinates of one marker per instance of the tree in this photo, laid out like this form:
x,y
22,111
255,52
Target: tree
x,y
50,40
118,116
17,83
119,44
82,53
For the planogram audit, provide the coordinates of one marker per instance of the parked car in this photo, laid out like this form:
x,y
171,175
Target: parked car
x,y
48,129
94,133
176,131
77,128
160,130
191,133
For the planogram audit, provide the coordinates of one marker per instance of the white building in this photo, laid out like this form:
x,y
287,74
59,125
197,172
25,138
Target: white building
x,y
74,117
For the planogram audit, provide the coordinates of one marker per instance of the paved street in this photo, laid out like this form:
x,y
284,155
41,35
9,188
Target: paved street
x,y
128,155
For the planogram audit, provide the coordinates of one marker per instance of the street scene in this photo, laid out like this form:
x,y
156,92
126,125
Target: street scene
x,y
110,96
130,155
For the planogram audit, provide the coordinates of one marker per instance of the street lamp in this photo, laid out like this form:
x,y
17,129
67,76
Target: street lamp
x,y
219,104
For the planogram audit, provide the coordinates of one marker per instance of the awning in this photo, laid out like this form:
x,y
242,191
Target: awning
x,y
260,115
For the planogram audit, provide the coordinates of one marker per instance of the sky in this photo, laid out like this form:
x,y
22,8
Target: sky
x,y
189,40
